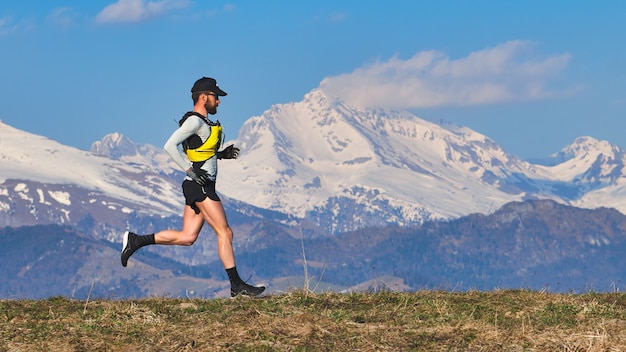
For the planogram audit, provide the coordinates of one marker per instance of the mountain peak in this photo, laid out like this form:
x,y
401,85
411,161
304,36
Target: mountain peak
x,y
119,147
585,145
114,145
318,96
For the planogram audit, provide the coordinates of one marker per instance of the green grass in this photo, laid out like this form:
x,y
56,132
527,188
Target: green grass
x,y
513,320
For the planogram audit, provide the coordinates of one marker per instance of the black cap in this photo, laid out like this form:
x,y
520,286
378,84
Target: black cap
x,y
207,84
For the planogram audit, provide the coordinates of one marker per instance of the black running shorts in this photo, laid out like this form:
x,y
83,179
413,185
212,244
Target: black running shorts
x,y
195,193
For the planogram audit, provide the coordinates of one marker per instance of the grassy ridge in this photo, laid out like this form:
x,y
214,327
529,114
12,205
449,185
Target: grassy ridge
x,y
386,321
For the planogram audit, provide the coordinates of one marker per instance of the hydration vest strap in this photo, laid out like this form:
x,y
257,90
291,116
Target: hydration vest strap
x,y
193,113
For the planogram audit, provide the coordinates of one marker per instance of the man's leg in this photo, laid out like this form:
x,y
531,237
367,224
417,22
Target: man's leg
x,y
192,224
213,213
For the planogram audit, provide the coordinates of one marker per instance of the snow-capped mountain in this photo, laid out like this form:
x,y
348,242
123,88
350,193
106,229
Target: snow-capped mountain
x,y
24,156
43,182
118,147
320,163
104,192
338,166
347,168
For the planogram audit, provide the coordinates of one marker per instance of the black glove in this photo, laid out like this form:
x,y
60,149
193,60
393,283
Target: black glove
x,y
200,177
230,152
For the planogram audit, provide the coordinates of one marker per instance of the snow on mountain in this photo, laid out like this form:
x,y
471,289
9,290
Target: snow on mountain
x,y
319,159
26,157
596,170
118,147
304,157
333,163
600,162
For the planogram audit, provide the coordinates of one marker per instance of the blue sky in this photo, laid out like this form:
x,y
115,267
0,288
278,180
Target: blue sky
x,y
532,75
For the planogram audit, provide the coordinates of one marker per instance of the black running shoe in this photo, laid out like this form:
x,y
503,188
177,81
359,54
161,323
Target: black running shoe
x,y
127,247
244,289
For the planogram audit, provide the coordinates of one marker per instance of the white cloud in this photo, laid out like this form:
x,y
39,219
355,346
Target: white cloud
x,y
9,26
507,72
337,17
130,11
63,17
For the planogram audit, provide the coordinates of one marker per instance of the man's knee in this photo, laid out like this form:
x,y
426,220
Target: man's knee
x,y
225,232
188,239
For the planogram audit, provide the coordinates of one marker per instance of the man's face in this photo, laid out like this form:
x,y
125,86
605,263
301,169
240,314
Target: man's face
x,y
211,103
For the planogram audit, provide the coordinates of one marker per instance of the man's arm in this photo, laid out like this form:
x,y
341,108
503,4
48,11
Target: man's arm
x,y
179,136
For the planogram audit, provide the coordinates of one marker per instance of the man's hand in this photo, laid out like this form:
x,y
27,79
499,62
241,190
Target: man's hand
x,y
230,152
200,177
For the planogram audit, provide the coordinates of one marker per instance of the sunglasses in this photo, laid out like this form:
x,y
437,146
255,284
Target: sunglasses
x,y
215,95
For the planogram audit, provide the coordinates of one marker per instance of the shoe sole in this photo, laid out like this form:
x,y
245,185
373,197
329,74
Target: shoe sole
x,y
246,293
125,243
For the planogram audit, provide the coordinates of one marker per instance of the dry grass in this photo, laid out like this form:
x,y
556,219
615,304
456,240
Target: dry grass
x,y
384,321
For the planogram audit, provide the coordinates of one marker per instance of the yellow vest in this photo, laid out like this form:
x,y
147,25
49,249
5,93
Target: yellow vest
x,y
198,151
208,148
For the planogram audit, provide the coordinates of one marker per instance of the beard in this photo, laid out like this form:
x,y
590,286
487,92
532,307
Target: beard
x,y
211,109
